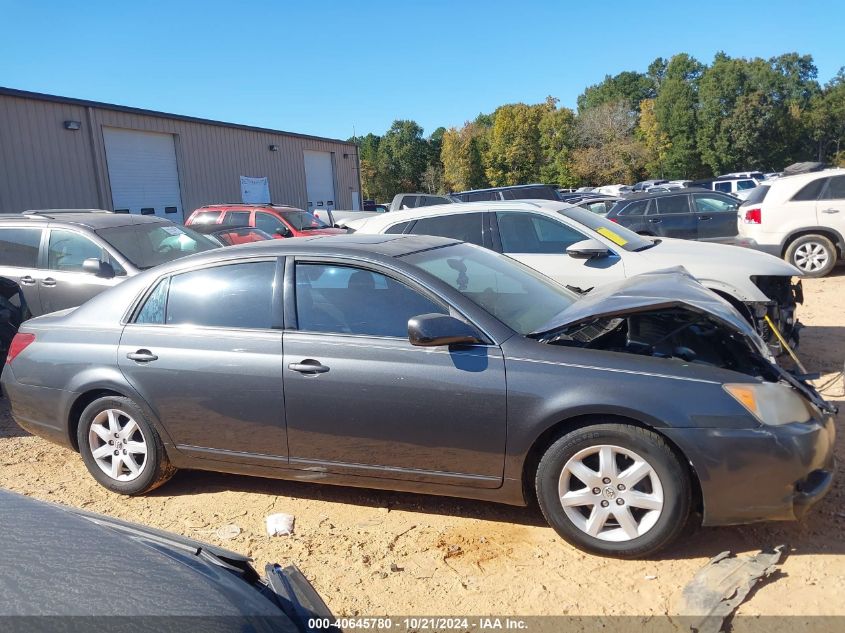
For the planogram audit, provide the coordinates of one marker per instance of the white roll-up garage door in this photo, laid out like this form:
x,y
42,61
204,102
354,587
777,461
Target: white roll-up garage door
x,y
142,172
319,180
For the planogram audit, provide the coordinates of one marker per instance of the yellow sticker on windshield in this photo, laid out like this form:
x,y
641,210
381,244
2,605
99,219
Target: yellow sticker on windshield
x,y
613,237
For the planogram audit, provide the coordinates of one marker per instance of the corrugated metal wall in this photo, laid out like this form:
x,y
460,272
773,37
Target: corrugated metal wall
x,y
43,165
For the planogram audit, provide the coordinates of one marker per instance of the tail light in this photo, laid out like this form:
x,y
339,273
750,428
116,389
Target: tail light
x,y
614,220
21,341
754,216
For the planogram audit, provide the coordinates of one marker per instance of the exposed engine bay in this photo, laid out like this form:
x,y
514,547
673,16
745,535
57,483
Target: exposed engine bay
x,y
668,333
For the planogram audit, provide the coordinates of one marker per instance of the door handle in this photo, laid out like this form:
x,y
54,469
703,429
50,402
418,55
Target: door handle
x,y
142,356
705,217
655,220
48,282
27,281
830,211
309,366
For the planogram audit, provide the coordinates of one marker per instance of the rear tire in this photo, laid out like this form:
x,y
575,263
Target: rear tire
x,y
814,255
120,448
614,490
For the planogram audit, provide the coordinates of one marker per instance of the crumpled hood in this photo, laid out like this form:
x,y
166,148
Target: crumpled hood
x,y
668,288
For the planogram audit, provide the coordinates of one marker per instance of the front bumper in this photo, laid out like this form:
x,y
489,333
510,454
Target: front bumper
x,y
762,473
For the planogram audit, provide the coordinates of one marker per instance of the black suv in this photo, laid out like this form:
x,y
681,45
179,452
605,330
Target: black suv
x,y
691,214
60,258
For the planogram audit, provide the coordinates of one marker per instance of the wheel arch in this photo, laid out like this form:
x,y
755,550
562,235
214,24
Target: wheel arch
x,y
551,434
832,234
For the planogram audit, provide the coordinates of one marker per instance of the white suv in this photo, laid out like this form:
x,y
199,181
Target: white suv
x,y
800,218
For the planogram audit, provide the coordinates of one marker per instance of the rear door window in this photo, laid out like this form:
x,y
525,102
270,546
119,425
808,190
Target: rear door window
x,y
672,205
462,226
835,189
810,191
707,203
234,296
724,187
19,247
635,208
236,218
268,222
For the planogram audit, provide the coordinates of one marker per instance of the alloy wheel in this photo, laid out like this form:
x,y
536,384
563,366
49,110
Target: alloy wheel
x,y
118,445
611,493
811,257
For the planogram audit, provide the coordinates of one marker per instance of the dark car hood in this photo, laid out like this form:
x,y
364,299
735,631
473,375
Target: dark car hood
x,y
60,561
669,288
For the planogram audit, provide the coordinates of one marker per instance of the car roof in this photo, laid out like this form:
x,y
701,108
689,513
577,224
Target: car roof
x,y
378,222
662,194
247,205
93,219
506,187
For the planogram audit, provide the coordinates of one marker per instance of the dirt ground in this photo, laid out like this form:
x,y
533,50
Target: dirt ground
x,y
372,553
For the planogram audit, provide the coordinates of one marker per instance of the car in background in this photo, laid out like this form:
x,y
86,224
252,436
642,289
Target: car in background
x,y
664,188
615,190
800,218
372,205
280,221
615,410
689,214
645,184
597,204
161,575
337,218
738,187
413,200
60,258
516,192
581,249
232,235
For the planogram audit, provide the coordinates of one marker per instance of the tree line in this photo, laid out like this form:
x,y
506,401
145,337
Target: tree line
x,y
678,119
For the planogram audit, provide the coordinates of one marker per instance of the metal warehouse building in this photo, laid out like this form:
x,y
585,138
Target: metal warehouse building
x,y
57,152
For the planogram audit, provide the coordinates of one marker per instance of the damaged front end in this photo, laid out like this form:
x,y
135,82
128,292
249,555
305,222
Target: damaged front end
x,y
784,296
668,314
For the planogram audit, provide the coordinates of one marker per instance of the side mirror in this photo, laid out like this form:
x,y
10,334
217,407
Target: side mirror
x,y
588,249
432,330
96,267
283,231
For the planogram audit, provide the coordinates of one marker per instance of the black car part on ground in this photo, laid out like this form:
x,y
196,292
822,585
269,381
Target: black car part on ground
x,y
13,312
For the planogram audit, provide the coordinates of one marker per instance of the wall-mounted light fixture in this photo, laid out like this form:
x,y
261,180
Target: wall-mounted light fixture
x,y
72,125
274,148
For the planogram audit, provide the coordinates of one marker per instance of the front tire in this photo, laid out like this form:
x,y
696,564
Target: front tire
x,y
120,448
614,490
814,255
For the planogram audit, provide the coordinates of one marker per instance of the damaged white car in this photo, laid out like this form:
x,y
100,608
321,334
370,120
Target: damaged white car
x,y
583,250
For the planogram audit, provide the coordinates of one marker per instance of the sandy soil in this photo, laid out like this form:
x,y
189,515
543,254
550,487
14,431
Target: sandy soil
x,y
372,553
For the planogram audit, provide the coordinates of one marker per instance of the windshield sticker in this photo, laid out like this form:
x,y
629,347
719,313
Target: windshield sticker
x,y
172,230
613,237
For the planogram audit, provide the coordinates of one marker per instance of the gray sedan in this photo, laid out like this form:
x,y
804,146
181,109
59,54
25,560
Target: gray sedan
x,y
424,364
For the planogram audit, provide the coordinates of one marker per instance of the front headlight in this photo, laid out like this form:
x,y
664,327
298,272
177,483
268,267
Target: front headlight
x,y
772,403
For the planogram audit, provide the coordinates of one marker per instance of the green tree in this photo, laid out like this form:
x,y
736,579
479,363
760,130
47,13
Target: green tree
x,y
514,154
825,120
402,159
462,158
655,141
675,110
608,151
557,140
629,86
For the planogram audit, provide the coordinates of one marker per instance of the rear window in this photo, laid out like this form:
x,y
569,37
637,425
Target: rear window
x,y
478,196
530,193
19,247
150,244
835,188
810,191
756,195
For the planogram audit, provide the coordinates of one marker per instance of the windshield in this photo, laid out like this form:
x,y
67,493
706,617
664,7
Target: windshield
x,y
303,221
617,234
518,296
150,244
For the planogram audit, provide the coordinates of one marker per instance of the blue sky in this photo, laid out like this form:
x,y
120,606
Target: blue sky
x,y
329,67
